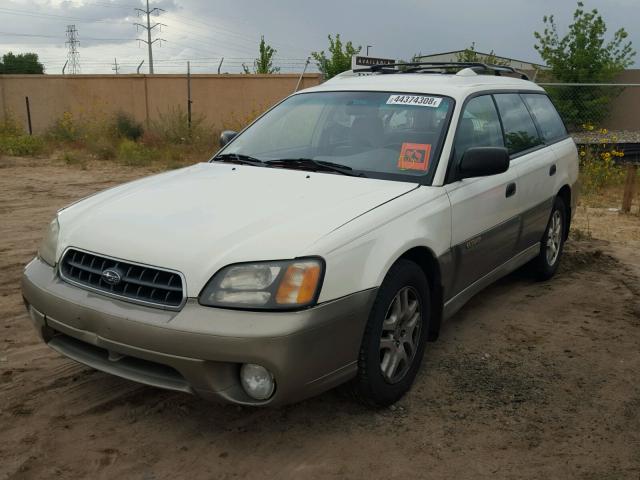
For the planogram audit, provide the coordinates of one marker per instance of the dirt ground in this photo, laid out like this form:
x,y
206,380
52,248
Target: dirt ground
x,y
529,380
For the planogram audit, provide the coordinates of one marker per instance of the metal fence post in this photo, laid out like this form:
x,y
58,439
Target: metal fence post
x,y
26,100
302,74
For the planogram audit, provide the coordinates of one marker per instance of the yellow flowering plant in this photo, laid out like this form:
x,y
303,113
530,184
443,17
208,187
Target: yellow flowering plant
x,y
598,156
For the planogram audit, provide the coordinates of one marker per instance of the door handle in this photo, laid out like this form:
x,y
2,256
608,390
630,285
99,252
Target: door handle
x,y
552,170
511,190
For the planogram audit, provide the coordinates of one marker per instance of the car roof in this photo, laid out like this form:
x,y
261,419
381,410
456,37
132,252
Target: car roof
x,y
453,85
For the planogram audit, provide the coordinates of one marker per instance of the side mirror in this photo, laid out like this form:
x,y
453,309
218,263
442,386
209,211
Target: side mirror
x,y
226,137
483,161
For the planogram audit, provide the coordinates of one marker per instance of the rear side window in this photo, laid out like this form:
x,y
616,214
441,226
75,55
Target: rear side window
x,y
479,126
520,132
546,116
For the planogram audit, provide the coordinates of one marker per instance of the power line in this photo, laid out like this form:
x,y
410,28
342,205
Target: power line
x,y
30,35
26,13
191,24
188,25
73,57
207,26
250,43
204,26
148,27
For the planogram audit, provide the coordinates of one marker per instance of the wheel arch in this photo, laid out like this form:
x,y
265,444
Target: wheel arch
x,y
426,259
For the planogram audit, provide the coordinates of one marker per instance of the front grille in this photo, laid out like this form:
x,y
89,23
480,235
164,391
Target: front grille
x,y
137,283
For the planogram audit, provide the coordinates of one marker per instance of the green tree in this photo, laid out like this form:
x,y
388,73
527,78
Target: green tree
x,y
583,55
264,63
21,63
471,55
340,57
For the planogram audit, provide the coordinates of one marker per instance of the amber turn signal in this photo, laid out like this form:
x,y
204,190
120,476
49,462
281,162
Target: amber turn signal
x,y
299,285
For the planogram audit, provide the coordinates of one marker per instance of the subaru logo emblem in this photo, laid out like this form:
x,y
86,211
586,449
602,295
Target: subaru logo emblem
x,y
111,276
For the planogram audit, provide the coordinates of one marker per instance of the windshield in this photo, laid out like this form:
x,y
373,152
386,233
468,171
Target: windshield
x,y
375,134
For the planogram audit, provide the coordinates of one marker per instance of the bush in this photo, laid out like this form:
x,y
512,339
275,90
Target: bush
x,y
598,168
22,145
122,138
10,127
14,140
135,154
125,126
173,127
66,129
237,122
102,148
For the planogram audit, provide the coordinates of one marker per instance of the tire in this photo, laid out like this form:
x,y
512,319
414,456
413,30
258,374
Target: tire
x,y
546,263
404,290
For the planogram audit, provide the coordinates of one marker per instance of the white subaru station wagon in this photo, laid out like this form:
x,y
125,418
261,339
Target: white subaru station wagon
x,y
324,244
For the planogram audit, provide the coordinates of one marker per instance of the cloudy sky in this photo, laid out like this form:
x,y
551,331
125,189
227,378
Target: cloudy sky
x,y
204,31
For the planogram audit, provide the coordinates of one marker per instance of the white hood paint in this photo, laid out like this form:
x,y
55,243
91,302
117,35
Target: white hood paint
x,y
201,218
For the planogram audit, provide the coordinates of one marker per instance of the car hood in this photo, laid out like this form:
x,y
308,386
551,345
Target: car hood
x,y
198,219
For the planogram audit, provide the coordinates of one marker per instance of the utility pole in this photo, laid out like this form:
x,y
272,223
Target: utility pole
x,y
149,27
73,57
115,67
189,102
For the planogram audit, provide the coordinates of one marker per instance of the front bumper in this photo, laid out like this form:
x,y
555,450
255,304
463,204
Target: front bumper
x,y
199,349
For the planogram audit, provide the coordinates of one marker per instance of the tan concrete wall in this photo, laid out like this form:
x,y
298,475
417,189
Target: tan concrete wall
x,y
625,111
223,101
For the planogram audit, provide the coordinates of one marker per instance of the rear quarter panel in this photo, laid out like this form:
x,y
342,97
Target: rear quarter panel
x,y
567,173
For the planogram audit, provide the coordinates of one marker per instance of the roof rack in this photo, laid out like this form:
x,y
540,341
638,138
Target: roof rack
x,y
441,67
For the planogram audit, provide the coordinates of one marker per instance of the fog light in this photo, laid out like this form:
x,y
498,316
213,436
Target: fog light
x,y
257,381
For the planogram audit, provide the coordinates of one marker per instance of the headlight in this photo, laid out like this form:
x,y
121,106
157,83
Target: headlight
x,y
49,246
274,285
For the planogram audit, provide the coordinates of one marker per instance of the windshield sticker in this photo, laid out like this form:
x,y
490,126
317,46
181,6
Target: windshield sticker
x,y
419,100
414,156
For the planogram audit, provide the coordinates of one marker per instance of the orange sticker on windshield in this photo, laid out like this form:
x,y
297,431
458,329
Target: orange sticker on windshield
x,y
414,156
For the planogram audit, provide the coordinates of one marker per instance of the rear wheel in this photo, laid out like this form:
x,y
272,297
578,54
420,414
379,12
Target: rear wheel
x,y
546,263
394,340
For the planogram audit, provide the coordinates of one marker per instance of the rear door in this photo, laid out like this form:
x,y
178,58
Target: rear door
x,y
484,210
529,127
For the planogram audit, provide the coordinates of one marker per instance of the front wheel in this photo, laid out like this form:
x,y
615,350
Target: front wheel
x,y
394,339
551,246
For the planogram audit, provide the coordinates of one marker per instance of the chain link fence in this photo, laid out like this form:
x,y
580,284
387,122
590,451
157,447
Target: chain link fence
x,y
604,120
588,106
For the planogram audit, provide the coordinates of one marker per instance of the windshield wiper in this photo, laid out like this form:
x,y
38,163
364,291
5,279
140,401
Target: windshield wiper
x,y
313,165
239,158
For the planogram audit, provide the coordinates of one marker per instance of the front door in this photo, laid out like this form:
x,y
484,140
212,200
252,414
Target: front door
x,y
485,220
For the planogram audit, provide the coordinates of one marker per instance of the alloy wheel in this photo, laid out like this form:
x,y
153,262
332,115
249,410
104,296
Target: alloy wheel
x,y
400,337
554,237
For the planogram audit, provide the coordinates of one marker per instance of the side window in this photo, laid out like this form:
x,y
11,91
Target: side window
x,y
479,126
519,130
546,116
